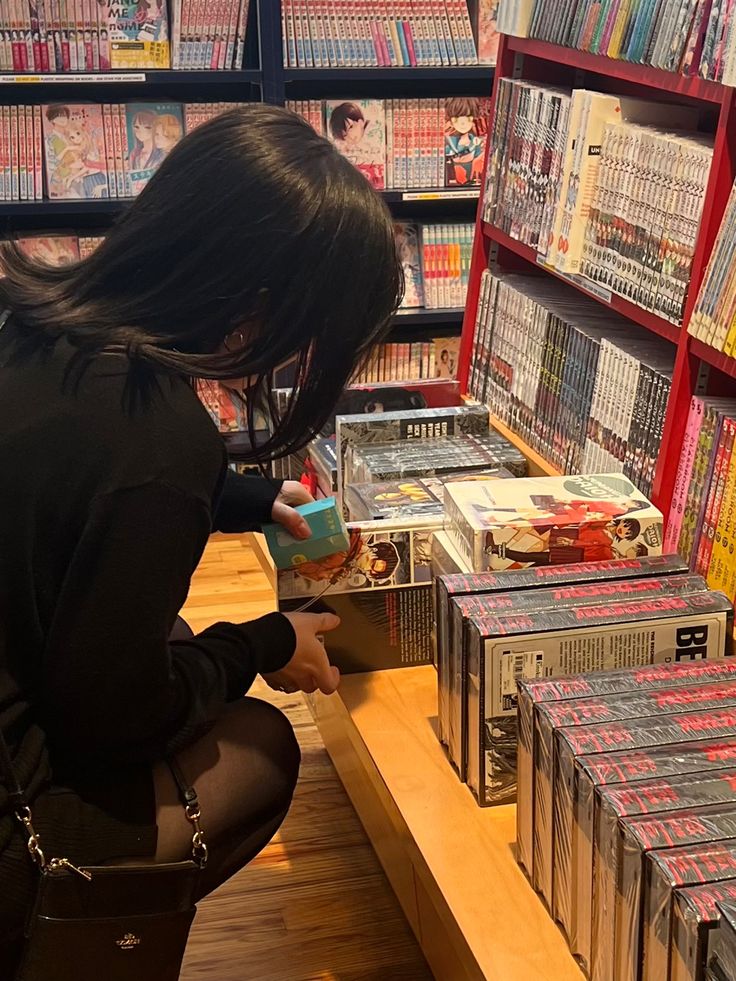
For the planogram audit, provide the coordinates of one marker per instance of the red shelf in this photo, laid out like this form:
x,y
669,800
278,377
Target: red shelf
x,y
649,321
716,359
654,78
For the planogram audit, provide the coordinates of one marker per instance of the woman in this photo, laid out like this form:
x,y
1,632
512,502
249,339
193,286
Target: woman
x,y
112,476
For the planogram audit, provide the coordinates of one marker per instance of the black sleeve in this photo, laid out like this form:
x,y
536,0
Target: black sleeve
x,y
245,502
112,684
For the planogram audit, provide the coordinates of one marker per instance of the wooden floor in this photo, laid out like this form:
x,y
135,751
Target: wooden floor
x,y
315,905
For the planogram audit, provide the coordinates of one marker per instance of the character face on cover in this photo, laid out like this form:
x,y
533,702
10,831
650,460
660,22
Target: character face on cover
x,y
144,124
463,143
348,124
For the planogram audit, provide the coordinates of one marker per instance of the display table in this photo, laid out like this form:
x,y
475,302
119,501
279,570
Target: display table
x,y
450,862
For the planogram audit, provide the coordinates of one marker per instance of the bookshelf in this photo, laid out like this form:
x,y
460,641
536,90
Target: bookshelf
x,y
263,78
698,368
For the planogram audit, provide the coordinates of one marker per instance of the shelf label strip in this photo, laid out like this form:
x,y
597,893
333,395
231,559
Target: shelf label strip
x,y
448,195
585,284
73,78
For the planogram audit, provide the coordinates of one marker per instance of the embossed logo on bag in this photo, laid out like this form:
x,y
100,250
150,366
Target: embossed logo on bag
x,y
128,942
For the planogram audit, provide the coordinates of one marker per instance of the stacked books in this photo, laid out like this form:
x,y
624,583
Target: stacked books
x,y
714,318
611,193
497,628
692,37
356,33
58,248
411,361
357,399
436,263
81,36
580,384
702,521
406,143
208,36
85,150
626,809
380,462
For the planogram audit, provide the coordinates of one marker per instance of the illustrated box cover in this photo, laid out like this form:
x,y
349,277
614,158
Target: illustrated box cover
x,y
551,521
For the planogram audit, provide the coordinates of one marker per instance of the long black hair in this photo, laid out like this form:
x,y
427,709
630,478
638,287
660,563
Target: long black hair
x,y
255,229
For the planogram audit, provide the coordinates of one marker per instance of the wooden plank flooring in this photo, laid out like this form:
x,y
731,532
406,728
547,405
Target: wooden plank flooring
x,y
315,904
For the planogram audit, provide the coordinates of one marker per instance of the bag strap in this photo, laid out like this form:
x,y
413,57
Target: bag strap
x,y
22,811
19,802
190,801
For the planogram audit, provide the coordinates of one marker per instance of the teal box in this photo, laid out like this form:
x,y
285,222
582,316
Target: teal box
x,y
329,536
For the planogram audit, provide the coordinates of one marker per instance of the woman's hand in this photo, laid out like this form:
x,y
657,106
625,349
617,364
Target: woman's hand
x,y
309,668
292,494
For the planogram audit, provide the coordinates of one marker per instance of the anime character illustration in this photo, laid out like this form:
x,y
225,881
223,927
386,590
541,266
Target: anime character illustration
x,y
407,246
141,148
369,562
594,541
168,130
465,130
54,250
153,129
75,152
151,20
358,130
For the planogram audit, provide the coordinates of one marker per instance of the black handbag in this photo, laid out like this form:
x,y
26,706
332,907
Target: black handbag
x,y
116,923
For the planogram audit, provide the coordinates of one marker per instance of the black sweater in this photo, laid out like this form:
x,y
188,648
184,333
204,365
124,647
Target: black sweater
x,y
105,509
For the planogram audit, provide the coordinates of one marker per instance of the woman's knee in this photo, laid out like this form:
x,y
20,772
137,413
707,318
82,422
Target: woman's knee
x,y
269,747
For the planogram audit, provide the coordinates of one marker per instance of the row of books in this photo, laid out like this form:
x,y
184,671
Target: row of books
x,y
410,361
714,317
702,521
580,384
83,150
436,263
58,36
607,189
627,798
691,37
406,143
388,33
58,248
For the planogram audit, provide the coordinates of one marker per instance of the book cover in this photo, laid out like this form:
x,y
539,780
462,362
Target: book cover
x,y
51,250
466,127
358,130
153,129
406,498
407,245
138,33
74,151
380,589
545,521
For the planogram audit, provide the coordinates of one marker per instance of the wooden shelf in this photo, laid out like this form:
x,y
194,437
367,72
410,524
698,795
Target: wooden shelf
x,y
716,359
649,321
538,466
698,89
450,862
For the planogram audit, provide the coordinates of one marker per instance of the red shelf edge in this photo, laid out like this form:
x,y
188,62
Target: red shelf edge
x,y
716,359
649,321
700,89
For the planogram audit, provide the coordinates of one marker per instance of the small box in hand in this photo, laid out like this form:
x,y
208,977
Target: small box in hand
x,y
329,536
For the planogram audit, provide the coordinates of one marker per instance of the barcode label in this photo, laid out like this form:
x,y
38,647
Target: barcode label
x,y
514,667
